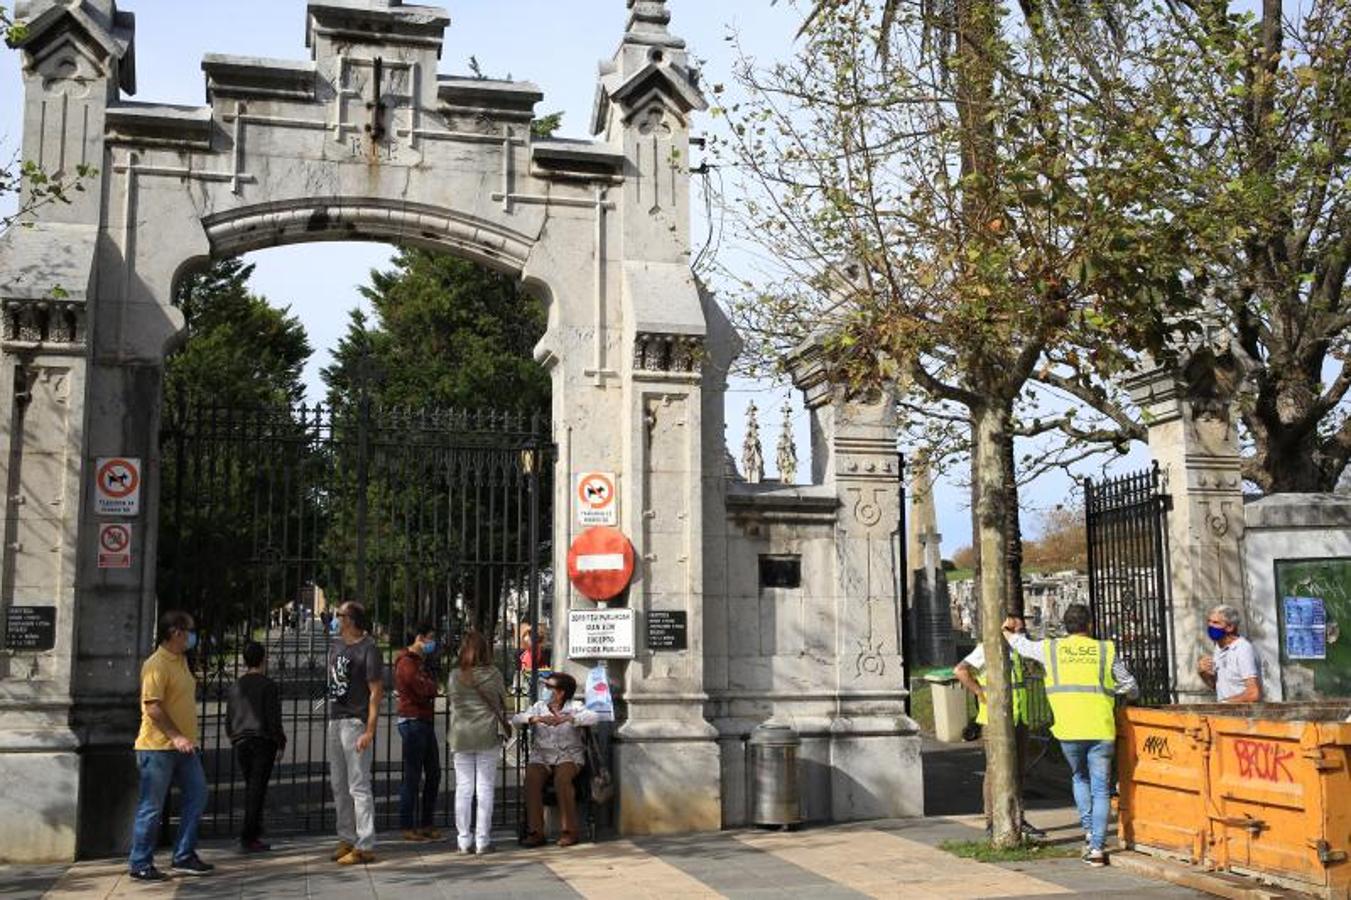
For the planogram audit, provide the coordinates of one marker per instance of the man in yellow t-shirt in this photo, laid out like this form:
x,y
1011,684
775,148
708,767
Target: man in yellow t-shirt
x,y
166,751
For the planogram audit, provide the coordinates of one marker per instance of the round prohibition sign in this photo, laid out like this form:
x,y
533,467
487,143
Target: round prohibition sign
x,y
596,491
115,538
118,478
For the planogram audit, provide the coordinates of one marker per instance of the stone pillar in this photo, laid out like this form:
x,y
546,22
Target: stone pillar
x,y
875,762
1193,435
666,753
75,59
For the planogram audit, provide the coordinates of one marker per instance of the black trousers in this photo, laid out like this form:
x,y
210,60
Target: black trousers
x,y
255,756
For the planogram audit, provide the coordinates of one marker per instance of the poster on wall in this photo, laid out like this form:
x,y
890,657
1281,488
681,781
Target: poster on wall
x,y
1306,628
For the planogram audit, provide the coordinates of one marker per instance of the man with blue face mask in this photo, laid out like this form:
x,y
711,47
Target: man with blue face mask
x,y
1233,671
417,689
166,752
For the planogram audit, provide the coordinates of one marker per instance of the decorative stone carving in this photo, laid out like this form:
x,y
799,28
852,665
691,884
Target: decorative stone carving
x,y
752,457
667,353
786,457
46,324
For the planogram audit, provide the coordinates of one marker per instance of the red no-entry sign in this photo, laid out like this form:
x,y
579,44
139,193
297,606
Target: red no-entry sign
x,y
600,563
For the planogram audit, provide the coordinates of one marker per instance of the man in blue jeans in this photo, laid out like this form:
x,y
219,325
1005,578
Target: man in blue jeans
x,y
417,690
166,752
1083,679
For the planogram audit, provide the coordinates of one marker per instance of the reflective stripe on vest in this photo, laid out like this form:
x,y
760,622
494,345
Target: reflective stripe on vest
x,y
1018,681
1081,688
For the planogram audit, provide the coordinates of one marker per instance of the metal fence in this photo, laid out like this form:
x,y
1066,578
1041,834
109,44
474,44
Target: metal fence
x,y
1126,521
270,518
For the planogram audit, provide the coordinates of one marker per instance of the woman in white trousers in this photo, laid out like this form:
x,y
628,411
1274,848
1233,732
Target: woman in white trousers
x,y
478,699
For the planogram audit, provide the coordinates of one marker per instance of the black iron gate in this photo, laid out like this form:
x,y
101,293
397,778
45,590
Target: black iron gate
x,y
270,518
1128,576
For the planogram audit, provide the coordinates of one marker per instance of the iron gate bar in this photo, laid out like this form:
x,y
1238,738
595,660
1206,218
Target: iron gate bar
x,y
446,507
1128,579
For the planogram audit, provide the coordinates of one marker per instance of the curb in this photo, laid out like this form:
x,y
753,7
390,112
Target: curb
x,y
1216,884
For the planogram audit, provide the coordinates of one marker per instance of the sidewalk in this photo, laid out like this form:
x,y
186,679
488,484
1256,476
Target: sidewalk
x,y
876,859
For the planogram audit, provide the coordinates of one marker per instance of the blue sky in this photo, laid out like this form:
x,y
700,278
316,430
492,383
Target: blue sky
x,y
554,43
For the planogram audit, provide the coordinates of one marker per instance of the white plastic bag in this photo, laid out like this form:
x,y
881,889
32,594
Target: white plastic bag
x,y
598,699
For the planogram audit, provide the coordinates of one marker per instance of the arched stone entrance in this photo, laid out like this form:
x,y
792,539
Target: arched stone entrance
x,y
365,140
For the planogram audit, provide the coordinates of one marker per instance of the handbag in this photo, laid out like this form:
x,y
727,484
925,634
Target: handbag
x,y
602,782
504,730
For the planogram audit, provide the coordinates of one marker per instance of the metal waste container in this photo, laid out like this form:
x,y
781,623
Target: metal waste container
x,y
774,784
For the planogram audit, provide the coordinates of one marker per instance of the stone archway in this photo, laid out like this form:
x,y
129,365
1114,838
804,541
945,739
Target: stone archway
x,y
364,140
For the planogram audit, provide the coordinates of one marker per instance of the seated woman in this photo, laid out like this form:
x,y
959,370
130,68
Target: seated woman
x,y
555,752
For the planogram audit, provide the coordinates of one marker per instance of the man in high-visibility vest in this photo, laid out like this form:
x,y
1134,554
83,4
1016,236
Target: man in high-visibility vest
x,y
1083,679
971,673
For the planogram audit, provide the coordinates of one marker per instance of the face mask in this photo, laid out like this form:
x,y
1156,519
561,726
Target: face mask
x,y
428,648
192,640
334,626
1216,634
545,694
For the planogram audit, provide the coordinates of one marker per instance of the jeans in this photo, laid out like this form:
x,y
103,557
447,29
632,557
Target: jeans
x,y
159,769
421,759
1091,768
256,757
475,776
350,773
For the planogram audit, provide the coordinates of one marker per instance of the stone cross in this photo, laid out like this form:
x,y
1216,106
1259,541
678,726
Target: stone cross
x,y
752,457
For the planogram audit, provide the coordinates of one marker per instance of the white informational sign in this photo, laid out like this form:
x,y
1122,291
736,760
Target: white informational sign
x,y
597,499
117,486
600,634
114,545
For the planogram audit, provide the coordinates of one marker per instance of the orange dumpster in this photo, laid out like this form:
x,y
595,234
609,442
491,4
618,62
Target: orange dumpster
x,y
1261,789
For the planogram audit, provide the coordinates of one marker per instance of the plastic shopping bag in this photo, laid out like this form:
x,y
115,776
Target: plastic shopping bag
x,y
598,699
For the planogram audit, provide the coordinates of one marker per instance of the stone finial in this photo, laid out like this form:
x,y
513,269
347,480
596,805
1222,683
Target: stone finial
x,y
752,457
648,17
786,457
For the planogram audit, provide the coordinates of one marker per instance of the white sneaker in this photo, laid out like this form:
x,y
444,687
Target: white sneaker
x,y
1095,858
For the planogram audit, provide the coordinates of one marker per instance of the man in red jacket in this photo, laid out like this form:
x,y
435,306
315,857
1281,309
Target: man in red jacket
x,y
421,754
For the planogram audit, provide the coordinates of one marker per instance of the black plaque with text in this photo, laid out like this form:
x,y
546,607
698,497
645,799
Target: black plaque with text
x,y
30,628
667,630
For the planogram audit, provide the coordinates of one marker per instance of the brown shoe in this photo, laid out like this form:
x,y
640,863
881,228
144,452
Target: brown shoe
x,y
343,849
357,858
414,834
430,834
532,840
566,840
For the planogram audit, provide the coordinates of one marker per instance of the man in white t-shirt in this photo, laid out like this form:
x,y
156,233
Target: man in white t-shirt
x,y
971,673
1233,671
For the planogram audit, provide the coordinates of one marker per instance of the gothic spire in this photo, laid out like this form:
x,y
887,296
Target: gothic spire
x,y
752,456
648,21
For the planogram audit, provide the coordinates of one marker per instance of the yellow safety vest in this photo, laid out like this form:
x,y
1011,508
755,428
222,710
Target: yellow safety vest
x,y
1018,681
1081,688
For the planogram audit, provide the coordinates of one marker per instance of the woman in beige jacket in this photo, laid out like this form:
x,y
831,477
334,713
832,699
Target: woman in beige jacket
x,y
477,707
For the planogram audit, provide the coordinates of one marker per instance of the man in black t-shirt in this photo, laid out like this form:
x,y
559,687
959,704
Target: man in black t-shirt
x,y
355,689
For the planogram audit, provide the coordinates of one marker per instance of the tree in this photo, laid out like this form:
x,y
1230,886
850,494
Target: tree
x,y
948,217
448,333
240,350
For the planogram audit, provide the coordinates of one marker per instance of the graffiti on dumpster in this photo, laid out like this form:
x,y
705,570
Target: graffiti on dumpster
x,y
1156,747
1263,761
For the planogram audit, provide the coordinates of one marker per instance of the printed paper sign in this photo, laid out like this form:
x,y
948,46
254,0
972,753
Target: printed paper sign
x,y
114,546
1306,628
596,499
117,486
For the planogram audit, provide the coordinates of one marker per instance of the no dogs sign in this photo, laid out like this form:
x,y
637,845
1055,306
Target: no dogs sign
x,y
117,486
597,499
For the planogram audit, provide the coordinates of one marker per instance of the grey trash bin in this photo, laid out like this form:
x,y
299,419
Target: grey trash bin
x,y
774,782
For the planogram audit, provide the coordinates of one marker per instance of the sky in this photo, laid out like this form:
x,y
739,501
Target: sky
x,y
554,43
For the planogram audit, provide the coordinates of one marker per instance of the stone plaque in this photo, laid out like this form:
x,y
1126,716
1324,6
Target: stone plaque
x,y
668,630
30,628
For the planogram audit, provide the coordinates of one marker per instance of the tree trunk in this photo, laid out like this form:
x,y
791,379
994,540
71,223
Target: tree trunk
x,y
991,432
1013,526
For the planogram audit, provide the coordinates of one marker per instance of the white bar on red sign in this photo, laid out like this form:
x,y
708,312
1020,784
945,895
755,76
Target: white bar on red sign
x,y
601,562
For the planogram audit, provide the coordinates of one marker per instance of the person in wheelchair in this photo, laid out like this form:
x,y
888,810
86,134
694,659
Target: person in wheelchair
x,y
556,753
